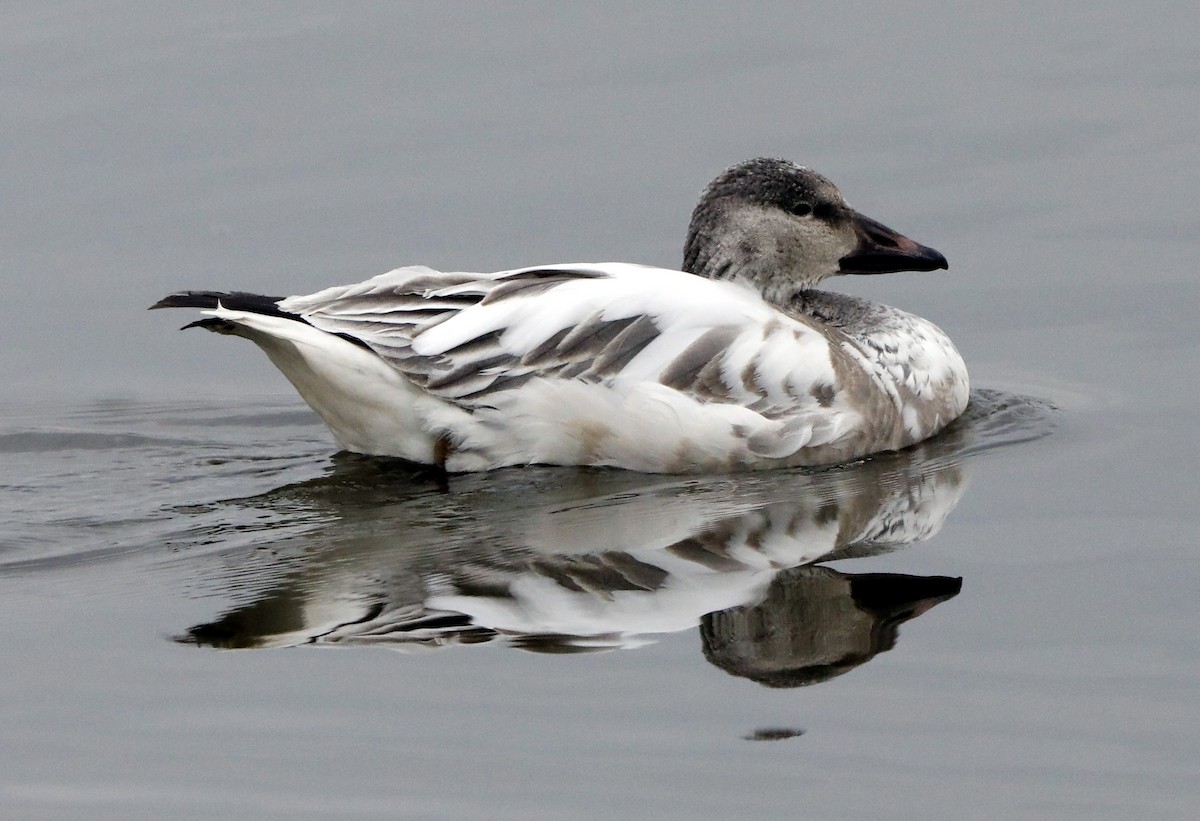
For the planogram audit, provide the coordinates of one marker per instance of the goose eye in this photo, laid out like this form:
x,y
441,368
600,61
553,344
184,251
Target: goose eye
x,y
802,209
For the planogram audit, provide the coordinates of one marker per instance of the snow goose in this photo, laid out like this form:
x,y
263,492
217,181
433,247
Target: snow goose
x,y
735,363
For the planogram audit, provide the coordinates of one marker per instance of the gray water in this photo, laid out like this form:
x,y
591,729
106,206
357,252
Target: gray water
x,y
207,611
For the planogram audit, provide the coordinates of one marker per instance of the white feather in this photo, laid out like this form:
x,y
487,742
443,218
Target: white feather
x,y
759,410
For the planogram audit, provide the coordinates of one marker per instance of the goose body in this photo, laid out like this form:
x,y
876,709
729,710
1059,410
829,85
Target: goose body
x,y
736,363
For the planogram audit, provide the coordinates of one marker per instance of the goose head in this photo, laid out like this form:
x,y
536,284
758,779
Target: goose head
x,y
785,228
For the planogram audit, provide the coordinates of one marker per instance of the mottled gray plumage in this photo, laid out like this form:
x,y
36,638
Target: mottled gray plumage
x,y
619,364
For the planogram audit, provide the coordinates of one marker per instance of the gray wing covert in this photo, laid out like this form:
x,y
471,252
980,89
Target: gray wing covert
x,y
392,314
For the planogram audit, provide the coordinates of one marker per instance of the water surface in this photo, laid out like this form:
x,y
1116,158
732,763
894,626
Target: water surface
x,y
207,611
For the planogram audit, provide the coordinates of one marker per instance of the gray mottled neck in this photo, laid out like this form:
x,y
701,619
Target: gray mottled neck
x,y
730,239
855,317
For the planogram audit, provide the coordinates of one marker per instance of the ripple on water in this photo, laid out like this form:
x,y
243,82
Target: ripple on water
x,y
49,441
121,478
85,484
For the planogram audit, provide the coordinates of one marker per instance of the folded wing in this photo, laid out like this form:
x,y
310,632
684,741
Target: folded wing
x,y
471,338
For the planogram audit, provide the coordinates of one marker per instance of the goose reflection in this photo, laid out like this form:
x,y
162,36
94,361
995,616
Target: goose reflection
x,y
816,623
564,560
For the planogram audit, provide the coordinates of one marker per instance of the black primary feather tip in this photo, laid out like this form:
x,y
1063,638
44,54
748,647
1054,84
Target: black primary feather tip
x,y
233,300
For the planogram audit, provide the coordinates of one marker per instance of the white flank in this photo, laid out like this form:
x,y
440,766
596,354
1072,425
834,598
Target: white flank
x,y
368,405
